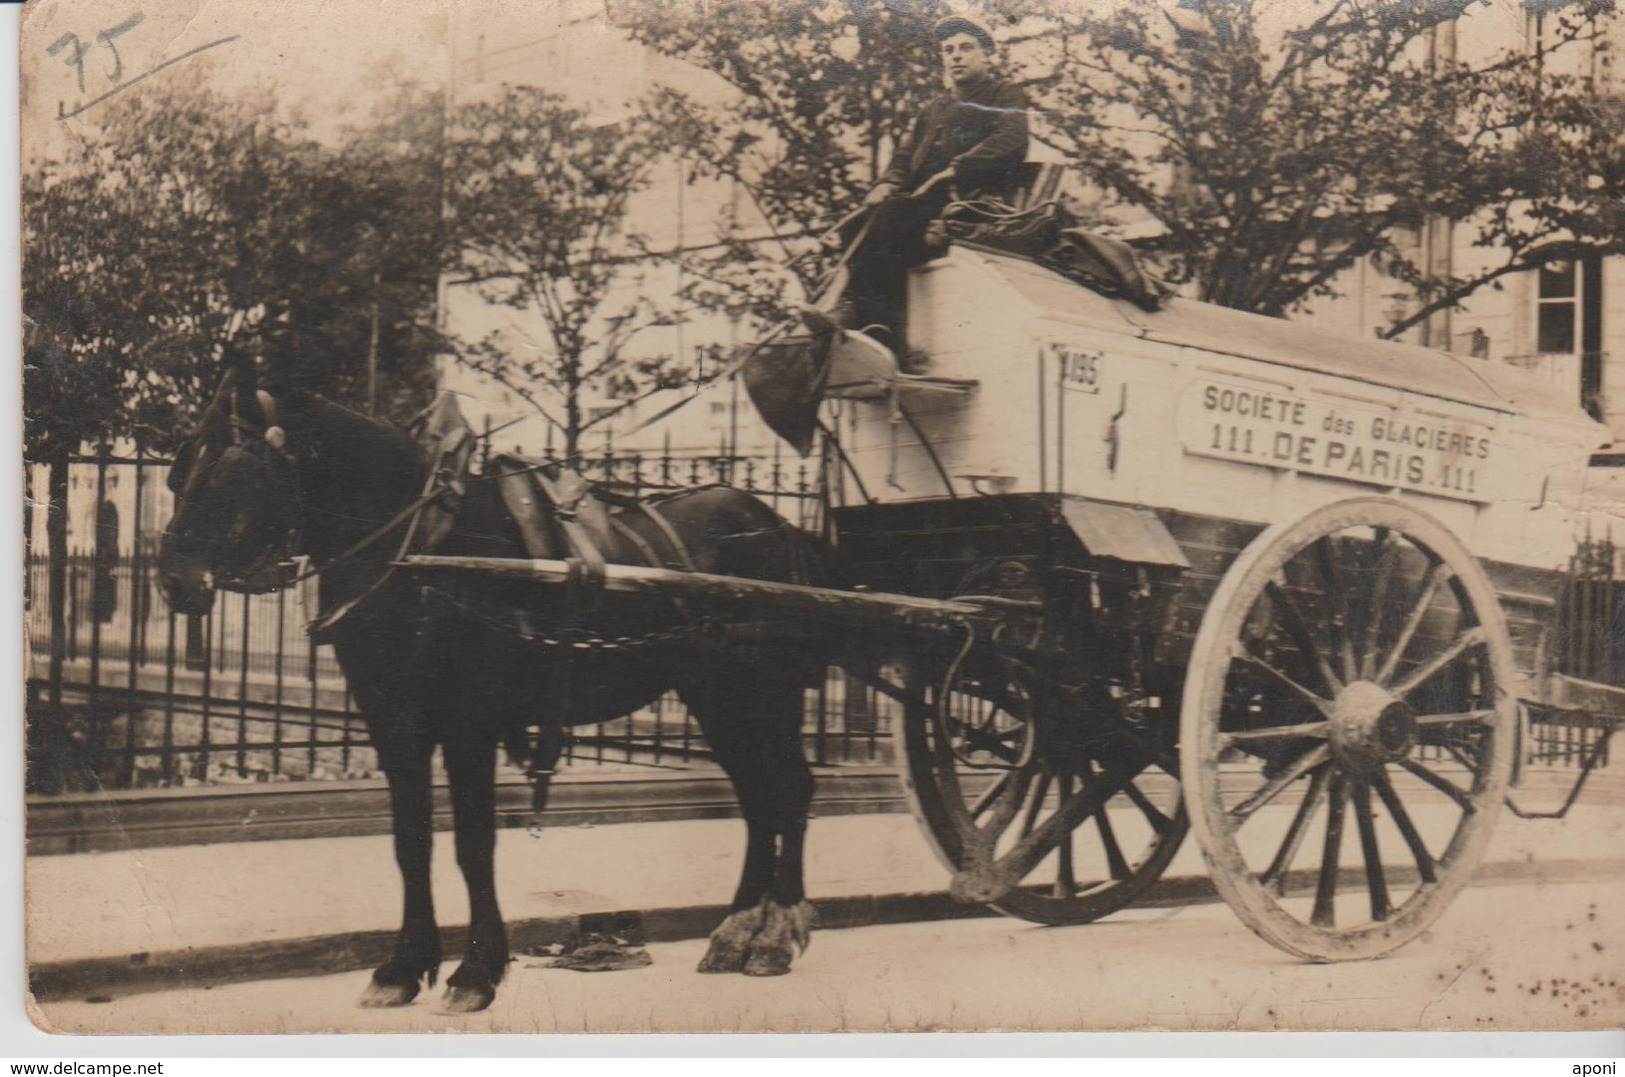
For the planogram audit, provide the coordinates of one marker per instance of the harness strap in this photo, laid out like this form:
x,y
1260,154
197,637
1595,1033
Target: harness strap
x,y
643,545
674,542
372,536
318,628
565,505
669,531
544,763
679,550
447,474
519,496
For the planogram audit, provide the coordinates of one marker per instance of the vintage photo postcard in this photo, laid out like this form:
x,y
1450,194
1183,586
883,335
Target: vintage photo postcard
x,y
823,515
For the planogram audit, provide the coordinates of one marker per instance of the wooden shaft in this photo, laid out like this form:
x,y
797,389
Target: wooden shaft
x,y
731,591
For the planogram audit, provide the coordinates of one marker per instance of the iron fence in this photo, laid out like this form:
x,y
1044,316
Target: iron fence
x,y
143,697
1568,739
1591,629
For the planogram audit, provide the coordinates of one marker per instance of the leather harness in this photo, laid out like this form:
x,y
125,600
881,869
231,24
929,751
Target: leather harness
x,y
587,518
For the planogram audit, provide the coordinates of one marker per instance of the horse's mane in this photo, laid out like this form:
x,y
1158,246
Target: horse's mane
x,y
354,467
319,422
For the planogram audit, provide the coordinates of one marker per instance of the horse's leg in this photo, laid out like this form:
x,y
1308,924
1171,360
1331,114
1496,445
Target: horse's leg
x,y
756,736
730,942
471,769
417,948
786,794
787,928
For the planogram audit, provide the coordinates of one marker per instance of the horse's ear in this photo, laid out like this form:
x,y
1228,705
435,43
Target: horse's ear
x,y
268,408
214,425
248,397
275,436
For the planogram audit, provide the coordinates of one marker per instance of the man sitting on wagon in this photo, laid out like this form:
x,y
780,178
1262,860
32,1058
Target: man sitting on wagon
x,y
967,144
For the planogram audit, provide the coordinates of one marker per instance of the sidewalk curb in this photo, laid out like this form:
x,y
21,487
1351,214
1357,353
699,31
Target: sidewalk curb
x,y
319,955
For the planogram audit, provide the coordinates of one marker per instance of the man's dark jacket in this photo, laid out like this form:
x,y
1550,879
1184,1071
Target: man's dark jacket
x,y
982,136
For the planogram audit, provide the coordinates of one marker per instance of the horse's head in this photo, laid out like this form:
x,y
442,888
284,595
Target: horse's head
x,y
238,504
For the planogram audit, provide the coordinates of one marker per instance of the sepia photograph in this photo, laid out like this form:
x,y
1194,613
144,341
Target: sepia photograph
x,y
823,516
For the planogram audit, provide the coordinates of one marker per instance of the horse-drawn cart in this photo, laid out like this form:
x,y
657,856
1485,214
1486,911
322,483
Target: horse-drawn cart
x,y
1135,574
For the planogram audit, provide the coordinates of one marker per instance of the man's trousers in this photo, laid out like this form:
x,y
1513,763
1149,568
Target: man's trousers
x,y
893,243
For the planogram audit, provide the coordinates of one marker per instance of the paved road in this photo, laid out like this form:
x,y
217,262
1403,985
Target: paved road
x,y
1503,957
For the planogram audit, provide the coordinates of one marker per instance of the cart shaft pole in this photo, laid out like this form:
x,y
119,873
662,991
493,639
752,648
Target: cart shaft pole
x,y
735,593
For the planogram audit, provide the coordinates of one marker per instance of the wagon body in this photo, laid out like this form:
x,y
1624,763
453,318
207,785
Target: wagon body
x,y
1214,412
1218,422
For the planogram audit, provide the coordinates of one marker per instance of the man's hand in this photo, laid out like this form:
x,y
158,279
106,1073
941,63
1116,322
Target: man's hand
x,y
945,176
881,192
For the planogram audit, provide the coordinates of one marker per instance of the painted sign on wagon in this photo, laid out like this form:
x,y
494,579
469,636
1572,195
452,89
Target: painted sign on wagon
x,y
1297,430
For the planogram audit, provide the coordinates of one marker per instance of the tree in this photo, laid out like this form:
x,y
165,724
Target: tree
x,y
184,211
539,200
388,212
824,89
1275,159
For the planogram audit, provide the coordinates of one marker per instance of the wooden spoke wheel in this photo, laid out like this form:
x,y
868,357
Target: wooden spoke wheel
x,y
1042,823
1348,706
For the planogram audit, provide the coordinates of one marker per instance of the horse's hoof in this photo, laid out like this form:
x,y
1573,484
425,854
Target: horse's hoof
x,y
378,996
466,999
768,961
722,958
786,929
730,942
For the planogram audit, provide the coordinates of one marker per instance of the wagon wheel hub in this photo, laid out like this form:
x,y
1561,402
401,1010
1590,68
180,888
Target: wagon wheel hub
x,y
1370,726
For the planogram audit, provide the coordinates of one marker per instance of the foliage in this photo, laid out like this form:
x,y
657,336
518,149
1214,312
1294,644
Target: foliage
x,y
69,392
539,199
181,213
387,213
1274,147
823,88
1276,157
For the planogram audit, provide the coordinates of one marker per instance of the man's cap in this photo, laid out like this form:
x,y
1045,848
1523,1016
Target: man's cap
x,y
959,24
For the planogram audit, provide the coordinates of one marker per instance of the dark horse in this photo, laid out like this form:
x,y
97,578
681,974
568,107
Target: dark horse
x,y
464,665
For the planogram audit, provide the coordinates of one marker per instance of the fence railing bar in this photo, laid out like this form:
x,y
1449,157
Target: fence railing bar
x,y
205,738
328,718
310,762
96,717
133,639
821,738
347,733
169,701
276,695
660,724
242,691
74,602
